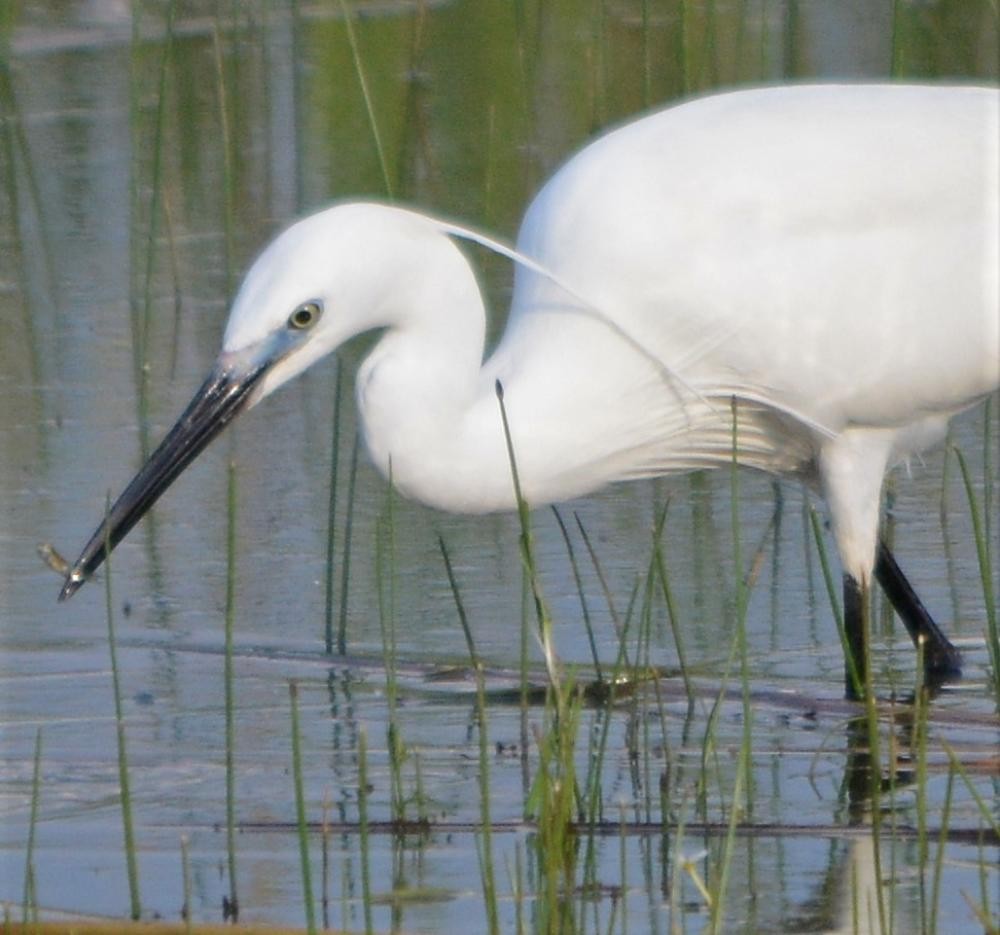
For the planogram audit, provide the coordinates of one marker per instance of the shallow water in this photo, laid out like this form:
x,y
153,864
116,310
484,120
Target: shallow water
x,y
475,105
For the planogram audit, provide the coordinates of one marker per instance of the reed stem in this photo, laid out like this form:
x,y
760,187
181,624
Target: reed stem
x,y
228,682
131,865
29,907
300,812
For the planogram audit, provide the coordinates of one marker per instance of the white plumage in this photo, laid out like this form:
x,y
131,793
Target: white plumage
x,y
827,256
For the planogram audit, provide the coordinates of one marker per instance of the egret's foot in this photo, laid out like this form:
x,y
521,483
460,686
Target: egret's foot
x,y
942,664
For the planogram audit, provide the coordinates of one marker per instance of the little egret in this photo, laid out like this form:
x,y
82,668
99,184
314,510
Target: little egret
x,y
820,260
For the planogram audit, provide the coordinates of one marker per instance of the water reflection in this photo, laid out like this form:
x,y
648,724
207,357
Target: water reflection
x,y
475,103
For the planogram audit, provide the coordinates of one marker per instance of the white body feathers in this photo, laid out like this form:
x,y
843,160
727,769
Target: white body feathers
x,y
827,256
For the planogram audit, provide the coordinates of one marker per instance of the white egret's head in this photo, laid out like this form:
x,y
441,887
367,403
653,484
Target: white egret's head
x,y
323,280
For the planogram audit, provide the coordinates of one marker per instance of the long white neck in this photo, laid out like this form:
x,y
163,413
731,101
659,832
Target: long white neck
x,y
429,419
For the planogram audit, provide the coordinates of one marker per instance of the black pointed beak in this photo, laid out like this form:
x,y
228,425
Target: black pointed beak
x,y
228,390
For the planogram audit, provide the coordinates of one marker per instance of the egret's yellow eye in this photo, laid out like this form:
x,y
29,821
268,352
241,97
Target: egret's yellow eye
x,y
305,316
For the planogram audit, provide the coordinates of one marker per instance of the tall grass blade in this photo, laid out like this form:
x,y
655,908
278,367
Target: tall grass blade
x,y
941,848
460,608
831,591
385,574
897,46
366,93
11,132
29,907
485,841
554,796
331,513
131,866
325,858
16,141
143,319
711,766
584,609
366,882
602,579
525,632
300,812
228,689
345,570
718,901
918,754
175,277
875,770
987,813
741,611
186,907
518,888
228,168
299,59
979,531
593,800
662,575
528,557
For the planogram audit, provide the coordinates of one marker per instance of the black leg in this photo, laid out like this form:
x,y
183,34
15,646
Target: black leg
x,y
856,661
941,660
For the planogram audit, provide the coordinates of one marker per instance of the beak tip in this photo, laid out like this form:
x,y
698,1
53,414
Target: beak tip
x,y
74,581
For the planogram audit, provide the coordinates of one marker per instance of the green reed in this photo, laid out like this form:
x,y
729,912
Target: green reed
x,y
831,591
542,617
331,511
186,907
302,825
142,298
605,589
228,161
517,886
941,848
345,570
605,694
741,600
8,17
385,575
366,883
131,865
485,841
554,797
647,707
918,754
871,721
673,619
228,688
721,884
987,814
981,536
324,840
985,914
14,142
29,907
581,593
359,69
896,47
176,280
553,801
